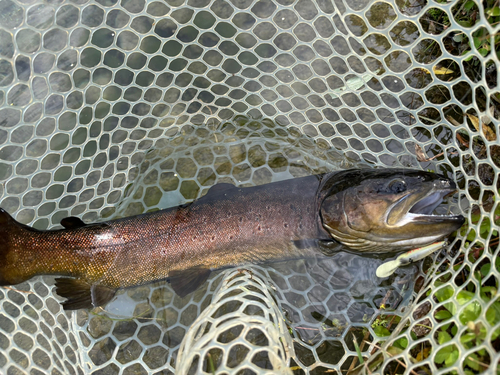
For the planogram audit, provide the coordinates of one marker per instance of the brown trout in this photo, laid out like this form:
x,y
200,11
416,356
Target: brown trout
x,y
375,211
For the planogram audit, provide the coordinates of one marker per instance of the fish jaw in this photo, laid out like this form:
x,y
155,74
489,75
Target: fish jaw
x,y
416,214
387,210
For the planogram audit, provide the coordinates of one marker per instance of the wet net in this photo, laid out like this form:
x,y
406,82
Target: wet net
x,y
114,108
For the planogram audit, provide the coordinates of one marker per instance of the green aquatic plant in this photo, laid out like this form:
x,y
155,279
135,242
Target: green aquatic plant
x,y
468,304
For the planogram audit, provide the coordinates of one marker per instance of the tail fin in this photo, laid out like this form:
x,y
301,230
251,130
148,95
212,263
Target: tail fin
x,y
10,250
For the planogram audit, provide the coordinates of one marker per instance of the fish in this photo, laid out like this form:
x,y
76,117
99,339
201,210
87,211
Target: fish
x,y
372,211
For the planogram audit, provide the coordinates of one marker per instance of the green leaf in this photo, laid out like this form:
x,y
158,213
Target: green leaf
x,y
442,315
490,315
381,331
401,343
358,351
443,337
469,58
468,337
445,327
454,330
467,316
464,296
472,361
477,43
450,306
452,358
464,23
483,52
493,313
443,354
444,293
470,313
494,12
489,289
485,269
392,350
495,334
469,5
472,233
476,217
482,332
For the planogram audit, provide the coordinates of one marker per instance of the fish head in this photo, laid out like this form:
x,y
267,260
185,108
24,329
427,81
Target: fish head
x,y
386,210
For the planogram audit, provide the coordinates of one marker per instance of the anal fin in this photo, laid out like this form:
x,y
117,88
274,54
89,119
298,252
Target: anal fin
x,y
187,281
81,295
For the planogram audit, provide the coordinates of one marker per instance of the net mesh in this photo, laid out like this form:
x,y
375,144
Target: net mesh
x,y
110,109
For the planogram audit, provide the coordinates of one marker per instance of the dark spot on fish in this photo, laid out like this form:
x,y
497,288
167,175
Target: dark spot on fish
x,y
300,226
285,225
241,219
292,207
194,238
268,208
259,228
230,237
213,238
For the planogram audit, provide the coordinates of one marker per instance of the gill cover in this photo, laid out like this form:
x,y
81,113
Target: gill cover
x,y
334,206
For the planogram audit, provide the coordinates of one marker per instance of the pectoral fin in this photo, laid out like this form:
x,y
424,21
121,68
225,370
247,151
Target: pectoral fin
x,y
329,248
187,281
81,295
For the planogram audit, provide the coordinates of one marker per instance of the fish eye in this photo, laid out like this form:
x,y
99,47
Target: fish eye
x,y
397,186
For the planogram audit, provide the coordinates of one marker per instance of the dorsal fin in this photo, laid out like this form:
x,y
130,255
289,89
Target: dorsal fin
x,y
72,222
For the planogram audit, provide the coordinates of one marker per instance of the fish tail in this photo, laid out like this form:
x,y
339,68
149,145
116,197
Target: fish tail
x,y
11,249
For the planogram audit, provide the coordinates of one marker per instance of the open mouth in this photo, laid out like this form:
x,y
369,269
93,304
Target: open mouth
x,y
428,204
434,205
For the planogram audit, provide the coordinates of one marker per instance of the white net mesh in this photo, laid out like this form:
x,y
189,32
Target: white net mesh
x,y
110,109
